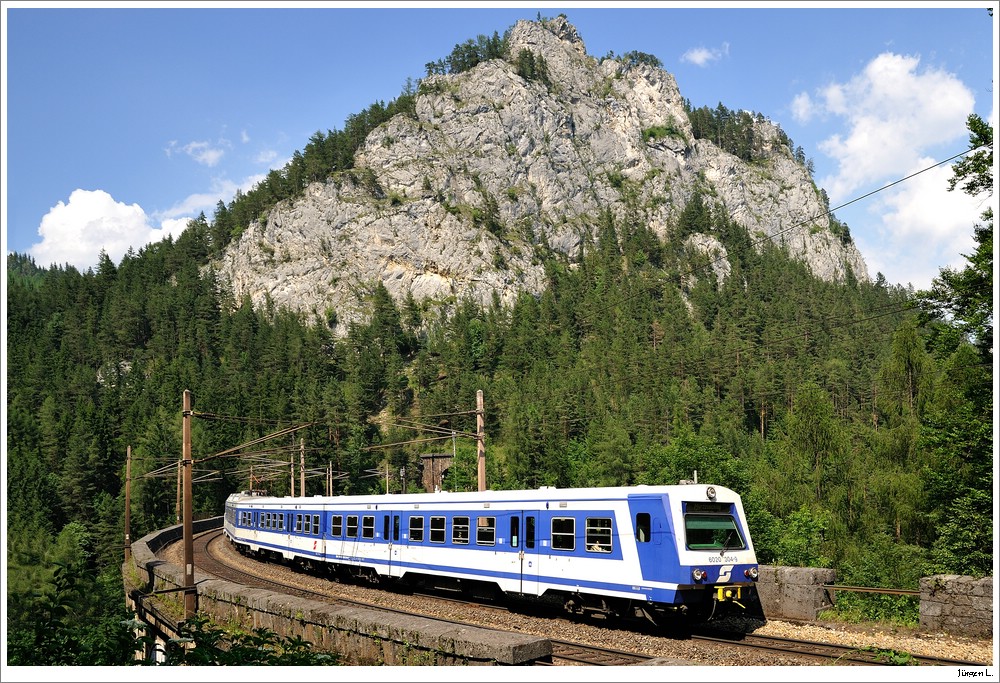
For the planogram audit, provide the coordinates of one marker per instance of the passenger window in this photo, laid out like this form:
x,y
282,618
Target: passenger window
x,y
563,533
486,531
352,526
368,526
642,527
417,529
460,530
437,529
316,525
599,534
336,525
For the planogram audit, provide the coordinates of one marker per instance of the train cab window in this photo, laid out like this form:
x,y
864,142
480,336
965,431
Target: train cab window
x,y
352,526
486,531
642,527
336,525
563,533
416,529
529,532
368,526
460,530
437,529
514,529
712,532
599,534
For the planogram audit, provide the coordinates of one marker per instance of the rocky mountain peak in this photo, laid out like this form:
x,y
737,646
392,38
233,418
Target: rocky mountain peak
x,y
498,171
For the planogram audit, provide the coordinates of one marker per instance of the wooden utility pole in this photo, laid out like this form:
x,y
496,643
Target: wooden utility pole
x,y
189,591
291,475
480,440
302,467
128,503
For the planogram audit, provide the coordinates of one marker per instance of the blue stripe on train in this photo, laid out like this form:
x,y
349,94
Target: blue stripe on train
x,y
655,594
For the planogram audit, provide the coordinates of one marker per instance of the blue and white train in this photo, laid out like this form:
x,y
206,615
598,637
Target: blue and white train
x,y
639,550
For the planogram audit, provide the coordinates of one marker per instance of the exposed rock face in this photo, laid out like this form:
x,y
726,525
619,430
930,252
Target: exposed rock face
x,y
495,169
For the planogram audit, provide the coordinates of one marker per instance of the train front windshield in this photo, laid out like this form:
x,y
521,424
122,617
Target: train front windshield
x,y
712,532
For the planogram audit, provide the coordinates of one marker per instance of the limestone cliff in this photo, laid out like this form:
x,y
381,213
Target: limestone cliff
x,y
495,170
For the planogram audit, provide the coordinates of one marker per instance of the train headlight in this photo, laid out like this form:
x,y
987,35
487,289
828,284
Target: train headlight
x,y
710,492
698,574
751,573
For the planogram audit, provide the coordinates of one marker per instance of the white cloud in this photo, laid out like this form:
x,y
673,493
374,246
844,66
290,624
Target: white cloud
x,y
202,151
702,56
893,114
77,231
803,108
266,156
922,227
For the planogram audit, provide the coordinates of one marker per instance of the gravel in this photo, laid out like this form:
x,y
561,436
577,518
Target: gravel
x,y
694,653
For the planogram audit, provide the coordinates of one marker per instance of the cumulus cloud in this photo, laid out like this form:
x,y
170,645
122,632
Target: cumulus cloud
x,y
922,227
703,56
75,232
893,113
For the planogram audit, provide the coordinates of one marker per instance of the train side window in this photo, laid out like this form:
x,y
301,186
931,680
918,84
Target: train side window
x,y
352,526
486,531
298,523
642,527
368,526
514,529
417,529
336,525
563,533
529,531
599,534
395,527
306,524
316,525
385,527
460,530
437,529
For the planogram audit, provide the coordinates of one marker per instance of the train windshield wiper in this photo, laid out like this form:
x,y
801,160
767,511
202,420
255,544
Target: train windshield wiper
x,y
725,546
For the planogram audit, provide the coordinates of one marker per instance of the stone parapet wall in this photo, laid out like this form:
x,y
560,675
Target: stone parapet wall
x,y
365,637
957,604
794,592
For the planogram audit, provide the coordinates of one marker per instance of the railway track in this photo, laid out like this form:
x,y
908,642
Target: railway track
x,y
830,652
209,553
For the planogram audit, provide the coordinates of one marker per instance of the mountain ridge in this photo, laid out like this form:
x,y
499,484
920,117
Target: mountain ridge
x,y
497,172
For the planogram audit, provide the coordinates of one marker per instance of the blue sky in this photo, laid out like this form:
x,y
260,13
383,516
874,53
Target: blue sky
x,y
123,121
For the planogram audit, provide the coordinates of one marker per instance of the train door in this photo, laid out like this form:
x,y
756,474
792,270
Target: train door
x,y
653,540
392,536
524,548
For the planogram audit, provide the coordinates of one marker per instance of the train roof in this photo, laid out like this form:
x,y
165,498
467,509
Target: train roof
x,y
689,491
